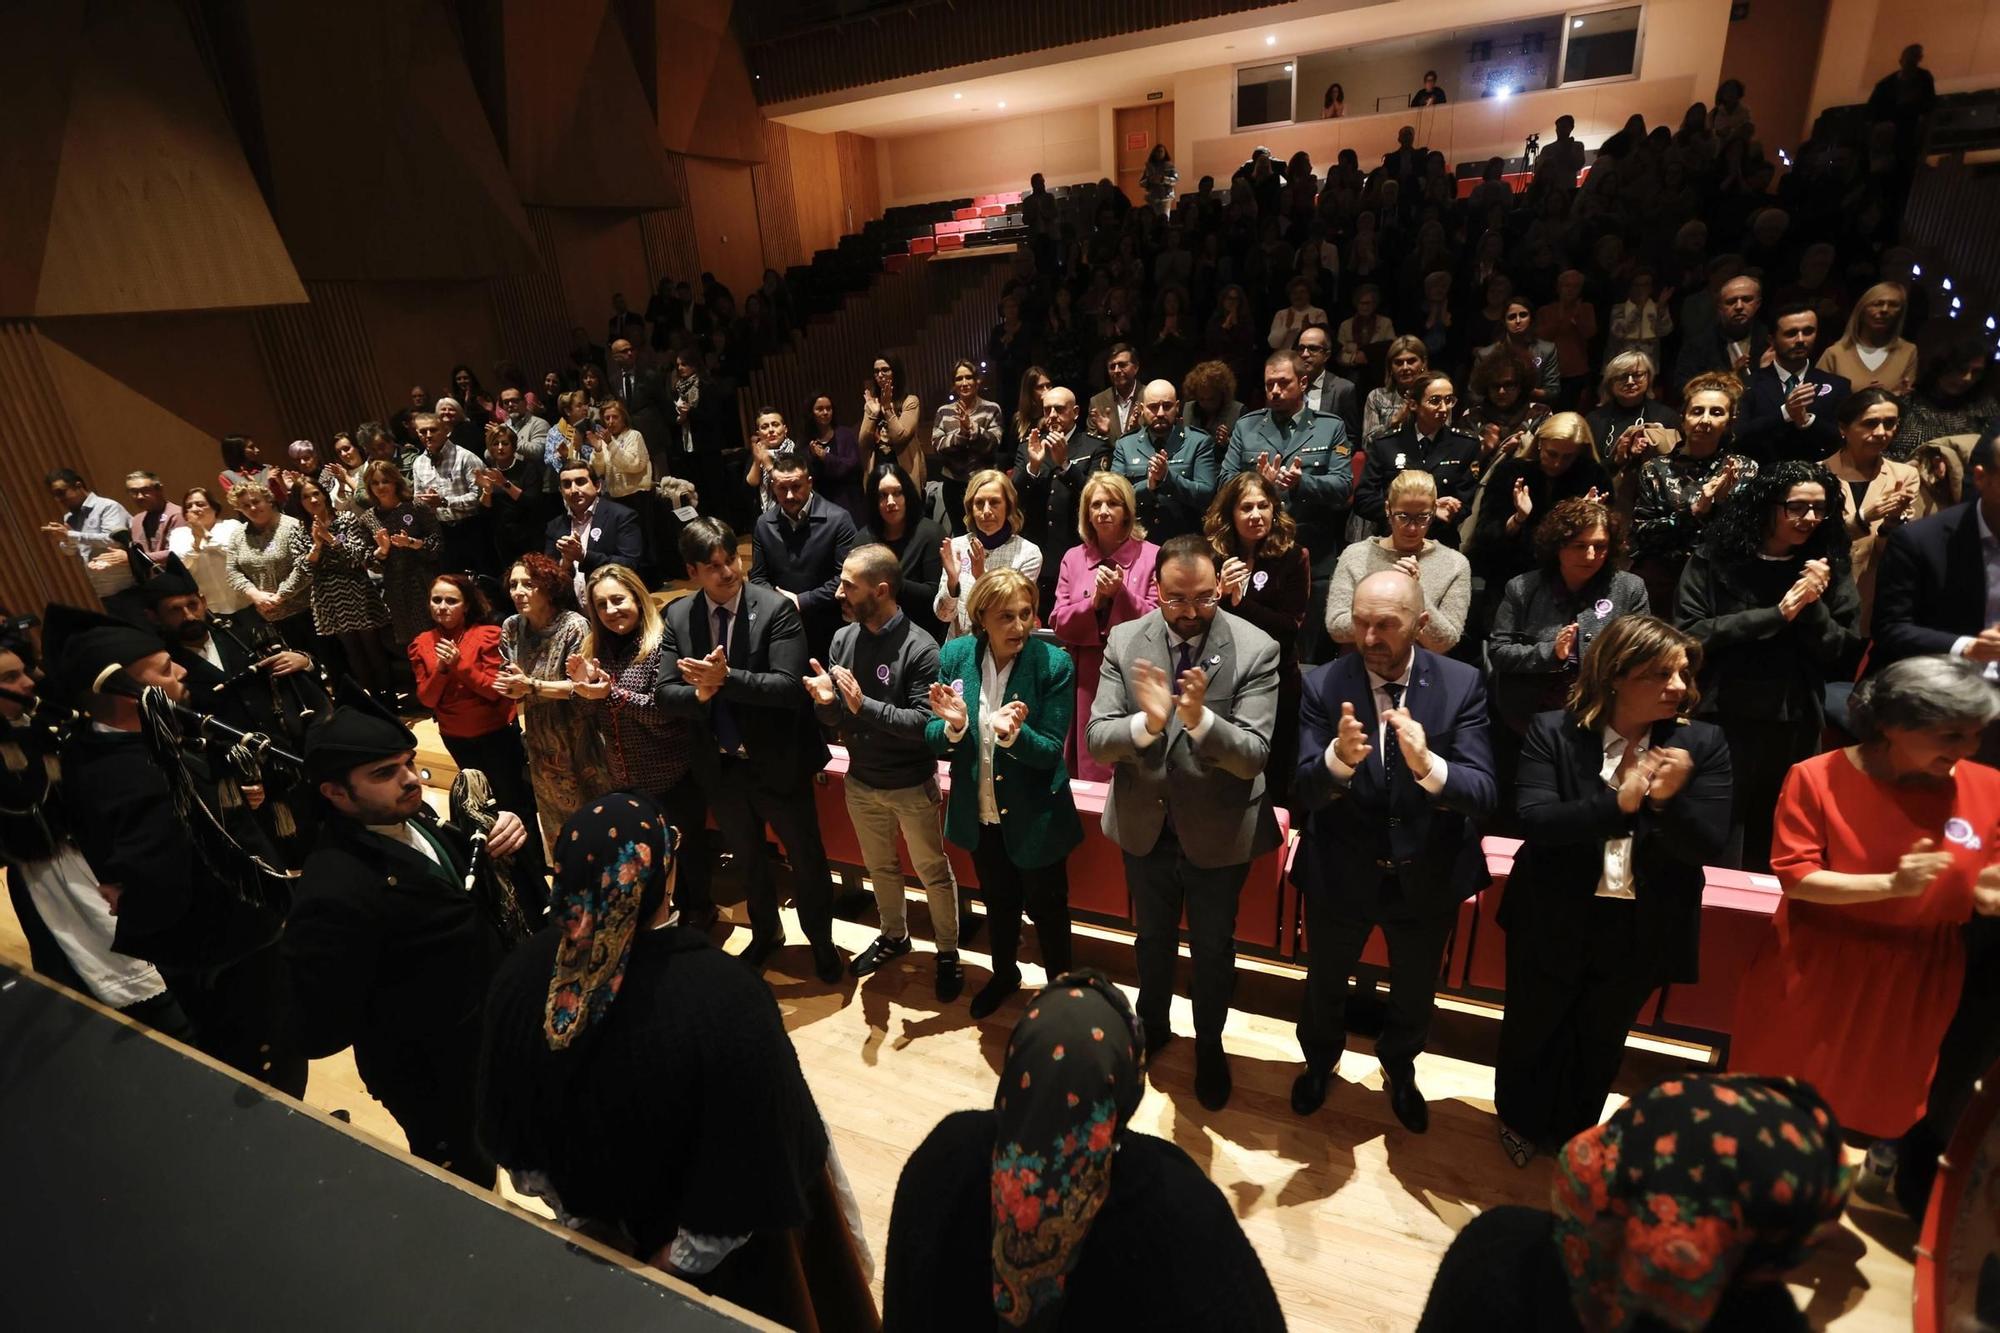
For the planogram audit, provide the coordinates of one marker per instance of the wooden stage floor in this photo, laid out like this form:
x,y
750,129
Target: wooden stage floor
x,y
1349,1212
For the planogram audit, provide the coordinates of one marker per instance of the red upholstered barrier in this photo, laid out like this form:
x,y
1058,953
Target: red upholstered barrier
x,y
962,213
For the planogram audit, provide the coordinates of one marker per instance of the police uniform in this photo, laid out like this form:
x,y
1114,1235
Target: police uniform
x,y
1318,443
1180,502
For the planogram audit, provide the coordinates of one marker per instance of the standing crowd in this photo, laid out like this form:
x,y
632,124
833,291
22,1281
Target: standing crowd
x,y
1617,514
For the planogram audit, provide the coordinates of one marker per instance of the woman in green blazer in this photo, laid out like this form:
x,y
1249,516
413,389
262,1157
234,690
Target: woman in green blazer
x,y
1010,803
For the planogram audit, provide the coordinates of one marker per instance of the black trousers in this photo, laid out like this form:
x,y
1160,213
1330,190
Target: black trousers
x,y
1162,882
430,1090
1970,1047
1339,931
1314,645
242,1017
1760,755
1562,1038
502,757
742,809
1008,890
686,805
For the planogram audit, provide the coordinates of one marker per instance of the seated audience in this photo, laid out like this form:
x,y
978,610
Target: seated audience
x,y
1753,1167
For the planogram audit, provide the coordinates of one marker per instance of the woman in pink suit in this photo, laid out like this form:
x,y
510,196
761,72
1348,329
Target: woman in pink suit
x,y
1106,581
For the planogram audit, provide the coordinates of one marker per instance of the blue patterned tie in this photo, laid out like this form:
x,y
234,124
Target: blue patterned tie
x,y
722,716
1182,666
1392,750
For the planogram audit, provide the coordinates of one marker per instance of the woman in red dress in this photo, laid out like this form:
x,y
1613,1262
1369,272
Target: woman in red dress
x,y
1878,847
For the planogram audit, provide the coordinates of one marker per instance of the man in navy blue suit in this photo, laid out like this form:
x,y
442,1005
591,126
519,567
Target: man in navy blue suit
x,y
590,531
1788,411
1394,768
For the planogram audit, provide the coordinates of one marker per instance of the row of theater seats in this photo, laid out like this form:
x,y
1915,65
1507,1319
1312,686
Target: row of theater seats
x,y
1736,912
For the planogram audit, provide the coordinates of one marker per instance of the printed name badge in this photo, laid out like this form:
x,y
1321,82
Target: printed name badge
x,y
882,673
1959,831
687,513
595,533
1259,579
1603,607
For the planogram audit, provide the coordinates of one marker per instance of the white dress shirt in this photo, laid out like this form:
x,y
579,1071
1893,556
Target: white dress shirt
x,y
1989,549
992,689
1432,781
1616,881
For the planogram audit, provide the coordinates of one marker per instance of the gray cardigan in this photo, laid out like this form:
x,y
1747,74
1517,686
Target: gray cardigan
x,y
1445,575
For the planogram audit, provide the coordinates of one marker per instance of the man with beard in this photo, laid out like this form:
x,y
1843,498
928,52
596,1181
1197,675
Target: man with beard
x,y
387,950
798,547
174,906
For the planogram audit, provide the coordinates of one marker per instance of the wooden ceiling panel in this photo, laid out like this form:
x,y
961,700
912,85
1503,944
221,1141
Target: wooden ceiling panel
x,y
580,129
154,207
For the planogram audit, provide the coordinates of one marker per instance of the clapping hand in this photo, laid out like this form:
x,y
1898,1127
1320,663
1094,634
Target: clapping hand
x,y
1408,564
1448,507
1524,505
1718,487
1100,421
976,552
1985,646
1156,470
947,705
382,543
1350,742
1194,696
1798,403
510,683
819,683
1671,769
1038,450
1812,584
588,677
707,674
1152,693
1565,641
1917,868
1411,740
1007,722
1235,579
948,558
1110,578
447,653
1986,891
849,687
570,548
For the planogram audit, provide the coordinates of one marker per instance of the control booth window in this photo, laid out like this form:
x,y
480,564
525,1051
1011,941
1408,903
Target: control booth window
x,y
1264,95
1601,44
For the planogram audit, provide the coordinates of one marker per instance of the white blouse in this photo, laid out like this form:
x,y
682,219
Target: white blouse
x,y
209,564
1017,552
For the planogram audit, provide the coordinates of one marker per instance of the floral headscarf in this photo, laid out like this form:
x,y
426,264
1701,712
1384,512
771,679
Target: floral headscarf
x,y
608,855
1699,1184
1071,1082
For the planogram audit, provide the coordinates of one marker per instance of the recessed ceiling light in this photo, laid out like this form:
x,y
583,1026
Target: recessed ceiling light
x,y
956,96
1576,23
1003,106
1288,69
1271,39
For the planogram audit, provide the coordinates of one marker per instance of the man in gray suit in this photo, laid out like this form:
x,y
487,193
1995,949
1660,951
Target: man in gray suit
x,y
1183,713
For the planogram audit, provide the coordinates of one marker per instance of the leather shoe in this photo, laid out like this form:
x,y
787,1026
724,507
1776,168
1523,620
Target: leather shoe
x,y
1309,1090
950,978
995,993
1212,1084
1157,1040
760,952
826,964
1408,1103
881,951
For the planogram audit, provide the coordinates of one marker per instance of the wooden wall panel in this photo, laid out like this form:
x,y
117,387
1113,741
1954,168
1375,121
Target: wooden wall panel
x,y
705,102
860,179
32,431
321,362
154,206
724,205
671,248
778,221
419,330
817,188
602,252
34,102
580,130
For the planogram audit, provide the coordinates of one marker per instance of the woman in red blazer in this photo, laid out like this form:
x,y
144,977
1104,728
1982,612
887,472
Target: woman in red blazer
x,y
455,663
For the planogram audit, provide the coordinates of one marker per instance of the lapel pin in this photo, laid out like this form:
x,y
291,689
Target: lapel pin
x,y
1259,579
596,534
882,673
1603,607
1213,661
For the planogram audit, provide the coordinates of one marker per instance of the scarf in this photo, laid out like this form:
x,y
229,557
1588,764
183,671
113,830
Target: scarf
x,y
1071,1081
998,539
1699,1184
607,857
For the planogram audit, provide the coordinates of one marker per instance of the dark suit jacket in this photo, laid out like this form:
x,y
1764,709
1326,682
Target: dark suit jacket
x,y
1568,812
387,952
1767,435
1452,459
615,541
649,406
279,707
1337,398
765,689
1350,827
1930,587
805,560
1048,502
1710,351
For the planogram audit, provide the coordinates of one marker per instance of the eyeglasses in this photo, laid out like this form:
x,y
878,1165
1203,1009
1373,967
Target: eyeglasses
x,y
1632,376
1179,604
1803,508
1412,520
1588,548
1441,400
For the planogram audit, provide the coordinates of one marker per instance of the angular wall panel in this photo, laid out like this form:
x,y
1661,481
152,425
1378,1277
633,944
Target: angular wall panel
x,y
34,435
580,130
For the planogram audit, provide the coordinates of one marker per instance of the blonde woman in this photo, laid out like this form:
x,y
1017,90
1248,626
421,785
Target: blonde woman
x,y
1873,354
625,468
1444,575
992,540
1105,581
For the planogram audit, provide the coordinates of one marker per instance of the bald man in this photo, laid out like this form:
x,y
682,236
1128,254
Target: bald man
x,y
1738,341
1170,464
1395,767
1055,460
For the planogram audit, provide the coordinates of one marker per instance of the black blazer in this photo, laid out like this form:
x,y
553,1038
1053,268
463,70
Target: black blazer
x,y
805,561
280,707
386,950
1567,814
766,691
1350,827
1452,459
1048,502
1710,351
1763,432
1930,587
616,539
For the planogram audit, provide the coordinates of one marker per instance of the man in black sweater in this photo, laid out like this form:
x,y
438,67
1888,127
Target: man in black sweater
x,y
876,694
798,545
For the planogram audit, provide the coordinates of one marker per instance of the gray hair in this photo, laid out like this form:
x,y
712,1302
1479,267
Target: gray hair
x,y
1629,359
1920,693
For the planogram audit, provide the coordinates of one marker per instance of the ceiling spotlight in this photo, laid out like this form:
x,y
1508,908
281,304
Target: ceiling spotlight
x,y
1575,23
1003,106
1271,39
1947,284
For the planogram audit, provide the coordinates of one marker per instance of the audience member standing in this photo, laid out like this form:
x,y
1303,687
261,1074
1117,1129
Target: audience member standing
x,y
1265,577
406,548
1183,720
890,419
992,540
265,565
1882,494
89,530
243,462
202,545
335,547
1057,458
565,759
1873,354
1424,443
836,461
591,532
1394,768
154,518
1000,711
1621,801
445,481
1106,580
1171,465
875,693
798,546
1879,847
915,540
1938,589
1736,344
1679,493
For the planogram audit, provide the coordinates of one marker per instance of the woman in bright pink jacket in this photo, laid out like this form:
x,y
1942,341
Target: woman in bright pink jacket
x,y
1104,582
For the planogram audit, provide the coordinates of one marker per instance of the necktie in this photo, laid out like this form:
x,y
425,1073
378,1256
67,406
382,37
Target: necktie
x,y
1182,665
722,716
1392,751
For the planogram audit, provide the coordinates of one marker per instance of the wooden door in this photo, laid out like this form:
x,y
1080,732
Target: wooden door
x,y
1137,129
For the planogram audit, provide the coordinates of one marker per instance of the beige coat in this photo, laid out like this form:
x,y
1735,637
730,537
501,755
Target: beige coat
x,y
1897,371
1869,538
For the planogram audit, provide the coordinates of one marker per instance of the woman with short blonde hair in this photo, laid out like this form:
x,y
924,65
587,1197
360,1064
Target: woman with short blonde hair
x,y
1104,581
992,540
1444,574
1873,353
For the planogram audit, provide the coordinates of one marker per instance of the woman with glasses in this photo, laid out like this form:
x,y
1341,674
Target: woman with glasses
x,y
1678,493
1444,574
1551,614
1625,409
1772,599
1000,711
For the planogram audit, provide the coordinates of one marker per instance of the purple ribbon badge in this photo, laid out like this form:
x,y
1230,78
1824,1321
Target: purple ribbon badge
x,y
596,533
408,519
958,688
